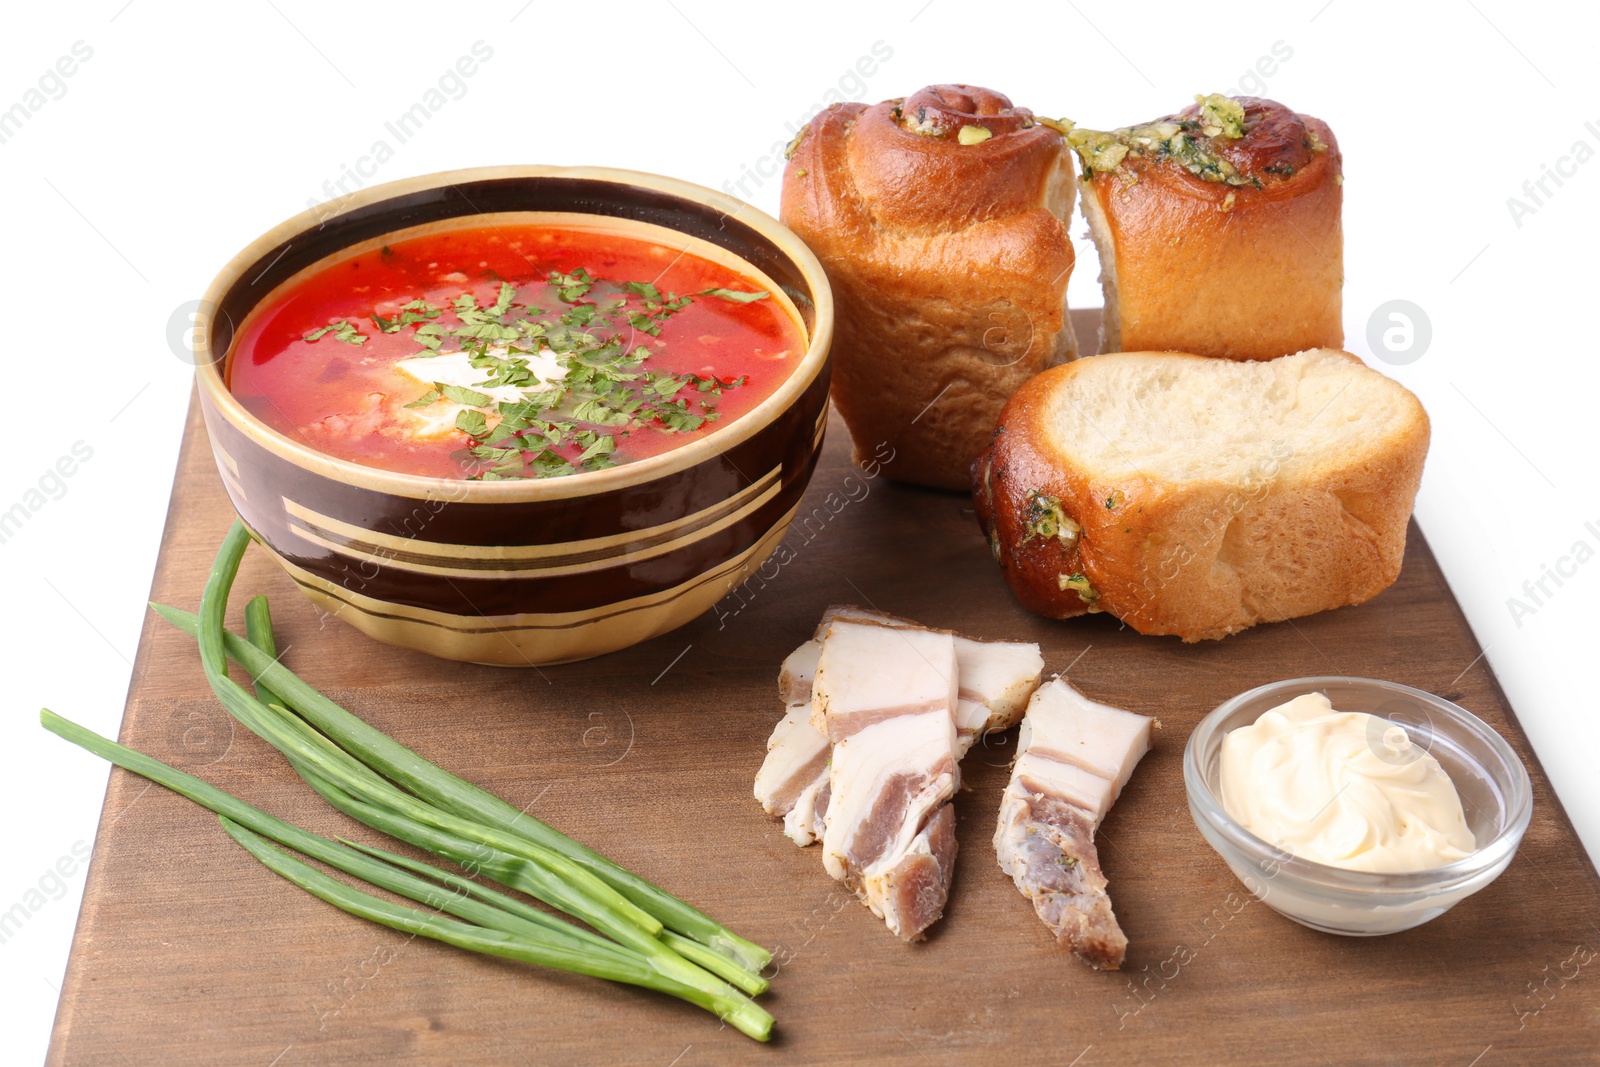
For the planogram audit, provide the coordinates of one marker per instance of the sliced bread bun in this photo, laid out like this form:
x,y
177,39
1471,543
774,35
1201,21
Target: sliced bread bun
x,y
1195,496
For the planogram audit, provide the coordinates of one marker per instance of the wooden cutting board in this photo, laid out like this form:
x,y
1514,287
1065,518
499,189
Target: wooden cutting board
x,y
188,951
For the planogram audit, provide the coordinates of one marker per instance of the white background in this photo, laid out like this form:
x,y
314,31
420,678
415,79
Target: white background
x,y
190,130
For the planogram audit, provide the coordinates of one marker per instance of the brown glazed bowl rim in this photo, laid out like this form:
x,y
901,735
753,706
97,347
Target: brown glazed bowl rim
x,y
209,367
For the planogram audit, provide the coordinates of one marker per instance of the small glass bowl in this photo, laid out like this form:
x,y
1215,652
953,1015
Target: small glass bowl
x,y
1496,797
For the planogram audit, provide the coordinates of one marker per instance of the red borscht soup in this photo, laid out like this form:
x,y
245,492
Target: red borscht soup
x,y
500,351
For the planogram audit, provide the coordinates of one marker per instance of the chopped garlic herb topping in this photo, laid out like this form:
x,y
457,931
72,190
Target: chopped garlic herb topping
x,y
1184,141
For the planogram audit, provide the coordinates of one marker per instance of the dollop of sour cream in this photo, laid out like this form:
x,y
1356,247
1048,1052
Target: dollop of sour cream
x,y
1343,788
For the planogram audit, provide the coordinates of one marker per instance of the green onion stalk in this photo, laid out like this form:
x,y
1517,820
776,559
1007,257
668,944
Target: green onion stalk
x,y
651,938
554,878
439,787
258,631
495,923
508,870
568,888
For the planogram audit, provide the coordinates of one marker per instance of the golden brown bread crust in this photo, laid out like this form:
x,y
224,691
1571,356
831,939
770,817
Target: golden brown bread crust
x,y
1198,559
949,265
1246,271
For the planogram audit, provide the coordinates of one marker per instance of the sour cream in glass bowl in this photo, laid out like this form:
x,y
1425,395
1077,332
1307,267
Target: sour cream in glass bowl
x,y
1493,786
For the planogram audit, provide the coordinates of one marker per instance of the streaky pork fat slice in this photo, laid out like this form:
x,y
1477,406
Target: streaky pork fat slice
x,y
797,760
994,679
1074,755
884,696
799,667
793,781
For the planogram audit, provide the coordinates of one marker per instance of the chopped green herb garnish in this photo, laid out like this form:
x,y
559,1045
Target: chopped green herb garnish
x,y
1080,585
1044,518
414,312
602,447
472,421
640,321
341,330
605,388
459,395
1186,141
1220,116
572,286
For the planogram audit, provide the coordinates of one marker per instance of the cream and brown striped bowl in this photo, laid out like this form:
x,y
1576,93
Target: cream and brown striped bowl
x,y
537,571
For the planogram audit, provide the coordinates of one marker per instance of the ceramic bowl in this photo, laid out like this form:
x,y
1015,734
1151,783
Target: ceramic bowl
x,y
538,571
